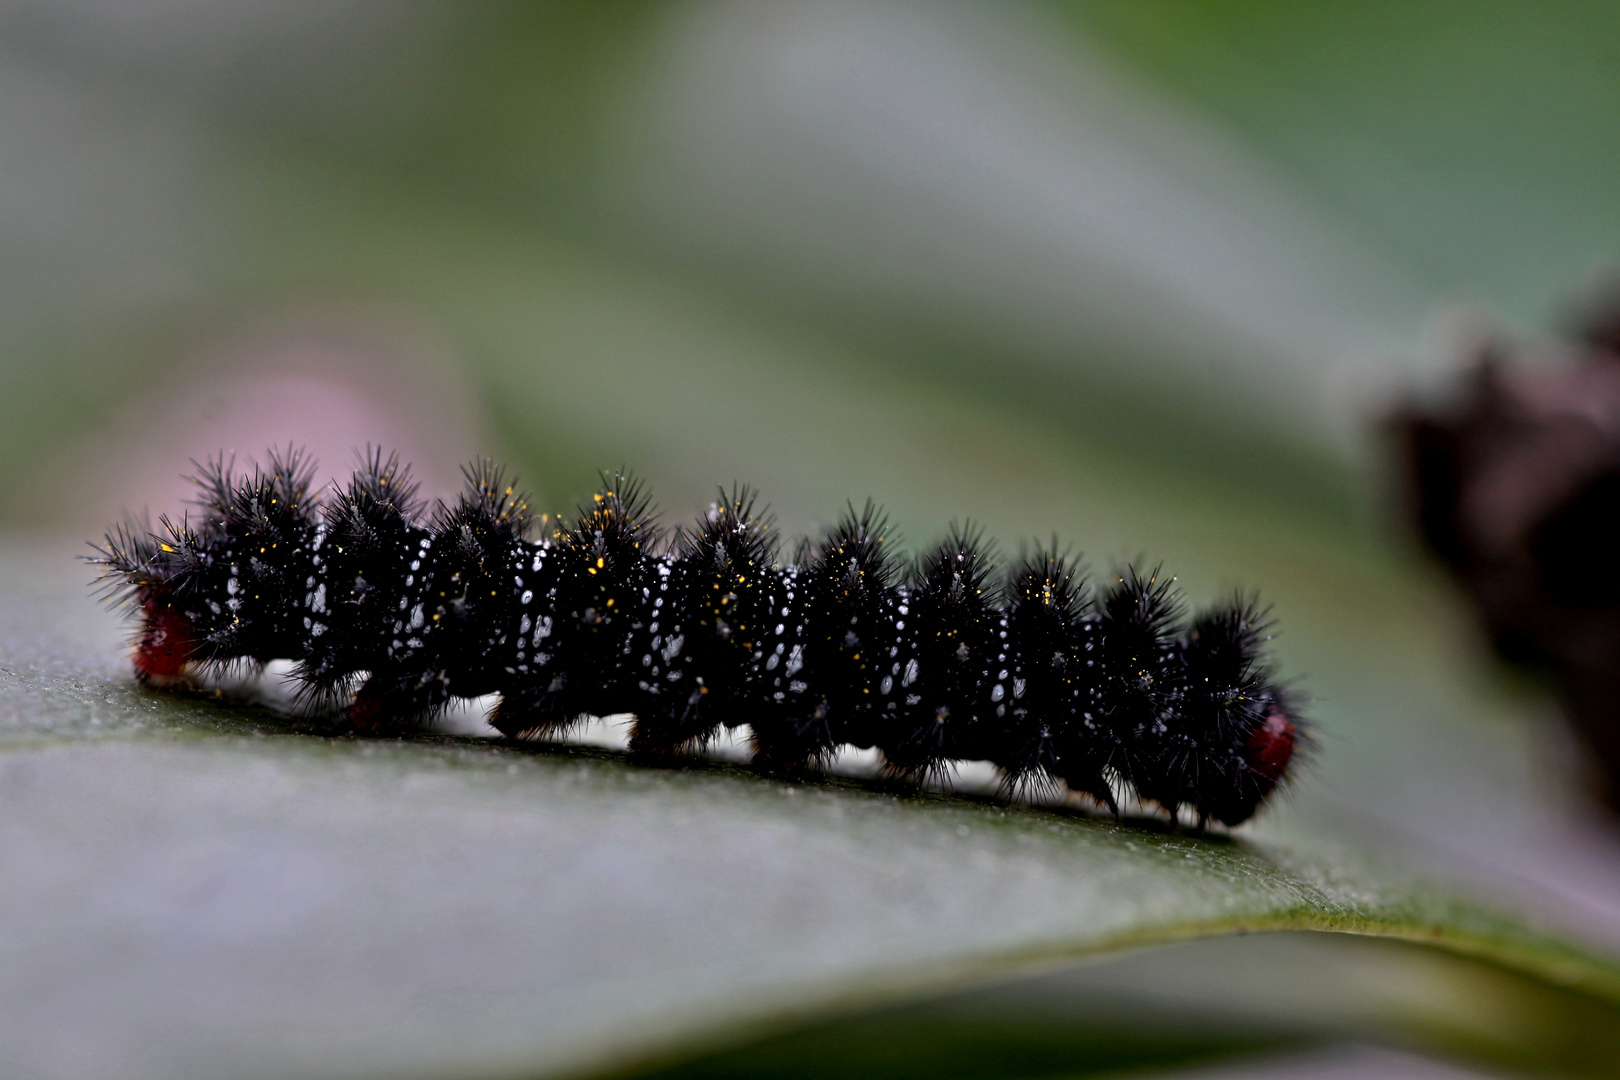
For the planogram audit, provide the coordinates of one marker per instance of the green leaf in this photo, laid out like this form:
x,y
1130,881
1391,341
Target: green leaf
x,y
203,887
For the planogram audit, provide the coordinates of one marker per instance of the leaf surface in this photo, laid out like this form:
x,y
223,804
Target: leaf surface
x,y
200,887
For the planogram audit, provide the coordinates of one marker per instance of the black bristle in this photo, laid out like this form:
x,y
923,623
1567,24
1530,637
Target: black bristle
x,y
128,557
597,579
713,606
1231,697
370,532
450,622
216,488
597,617
842,645
1039,675
936,706
260,552
382,488
1141,680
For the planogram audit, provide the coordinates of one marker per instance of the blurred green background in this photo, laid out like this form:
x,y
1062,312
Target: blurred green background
x,y
1183,242
1142,274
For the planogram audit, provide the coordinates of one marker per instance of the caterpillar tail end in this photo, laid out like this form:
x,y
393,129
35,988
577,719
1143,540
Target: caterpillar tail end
x,y
1263,766
165,646
367,715
1270,748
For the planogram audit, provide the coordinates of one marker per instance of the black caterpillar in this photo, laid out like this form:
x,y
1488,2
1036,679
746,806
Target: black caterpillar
x,y
395,610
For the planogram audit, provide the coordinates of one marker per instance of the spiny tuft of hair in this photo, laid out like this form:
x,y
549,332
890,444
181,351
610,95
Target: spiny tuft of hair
x,y
392,609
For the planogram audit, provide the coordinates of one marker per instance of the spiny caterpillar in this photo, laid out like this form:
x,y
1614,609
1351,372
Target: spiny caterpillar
x,y
393,609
